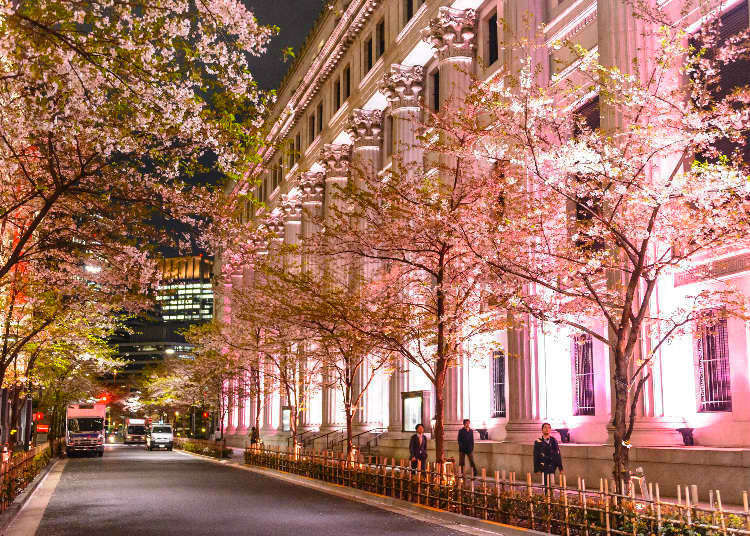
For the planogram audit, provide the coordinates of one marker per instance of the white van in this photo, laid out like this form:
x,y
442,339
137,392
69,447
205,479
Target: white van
x,y
160,436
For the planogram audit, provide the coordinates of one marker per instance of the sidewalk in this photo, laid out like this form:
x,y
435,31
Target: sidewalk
x,y
457,522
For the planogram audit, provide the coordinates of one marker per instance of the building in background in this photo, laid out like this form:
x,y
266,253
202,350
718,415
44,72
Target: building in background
x,y
184,297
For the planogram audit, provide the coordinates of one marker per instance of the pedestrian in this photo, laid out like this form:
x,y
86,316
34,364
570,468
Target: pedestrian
x,y
466,447
418,449
547,458
254,437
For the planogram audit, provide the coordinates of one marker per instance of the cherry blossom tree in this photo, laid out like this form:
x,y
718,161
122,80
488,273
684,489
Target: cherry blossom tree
x,y
398,230
106,108
330,313
582,221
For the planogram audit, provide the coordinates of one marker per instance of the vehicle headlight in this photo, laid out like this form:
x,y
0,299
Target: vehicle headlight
x,y
99,438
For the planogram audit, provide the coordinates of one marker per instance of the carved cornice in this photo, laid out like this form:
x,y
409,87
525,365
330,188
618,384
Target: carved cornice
x,y
452,33
312,185
403,85
337,159
366,128
347,28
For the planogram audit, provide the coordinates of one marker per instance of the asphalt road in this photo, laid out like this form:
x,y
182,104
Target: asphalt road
x,y
134,492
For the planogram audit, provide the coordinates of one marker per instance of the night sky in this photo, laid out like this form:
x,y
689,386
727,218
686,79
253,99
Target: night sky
x,y
295,19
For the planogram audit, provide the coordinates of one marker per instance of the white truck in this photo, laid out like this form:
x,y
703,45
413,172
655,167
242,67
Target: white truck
x,y
135,430
84,428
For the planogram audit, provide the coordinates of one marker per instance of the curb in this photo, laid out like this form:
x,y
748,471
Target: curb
x,y
10,515
450,520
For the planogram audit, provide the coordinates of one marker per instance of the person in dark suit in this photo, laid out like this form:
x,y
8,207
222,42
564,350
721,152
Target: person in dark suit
x,y
466,446
547,457
418,449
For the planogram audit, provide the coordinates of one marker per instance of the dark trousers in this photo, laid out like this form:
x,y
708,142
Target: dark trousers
x,y
547,479
462,459
415,463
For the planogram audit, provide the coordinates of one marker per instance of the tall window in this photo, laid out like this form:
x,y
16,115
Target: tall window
x,y
277,175
290,154
311,129
712,360
337,94
320,117
297,147
389,136
380,38
498,384
493,45
410,9
347,86
731,76
436,91
583,375
588,207
368,54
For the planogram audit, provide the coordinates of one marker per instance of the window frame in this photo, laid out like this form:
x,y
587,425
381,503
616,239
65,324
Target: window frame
x,y
347,82
719,363
584,375
498,380
493,39
369,60
380,39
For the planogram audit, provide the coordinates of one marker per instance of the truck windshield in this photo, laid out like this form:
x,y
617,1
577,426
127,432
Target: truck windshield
x,y
86,424
161,430
137,430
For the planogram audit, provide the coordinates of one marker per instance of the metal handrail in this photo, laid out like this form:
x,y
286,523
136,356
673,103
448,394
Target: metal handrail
x,y
380,429
321,436
299,436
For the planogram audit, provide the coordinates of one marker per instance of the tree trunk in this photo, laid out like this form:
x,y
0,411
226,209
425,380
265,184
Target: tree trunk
x,y
349,434
619,422
438,432
258,410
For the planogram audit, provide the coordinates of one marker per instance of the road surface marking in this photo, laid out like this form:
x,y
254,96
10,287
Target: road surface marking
x,y
31,514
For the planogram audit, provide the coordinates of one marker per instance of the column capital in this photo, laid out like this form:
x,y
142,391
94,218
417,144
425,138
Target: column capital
x,y
452,33
366,128
312,185
403,85
275,225
337,159
291,205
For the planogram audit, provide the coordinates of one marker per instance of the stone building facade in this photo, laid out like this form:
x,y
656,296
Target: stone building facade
x,y
351,98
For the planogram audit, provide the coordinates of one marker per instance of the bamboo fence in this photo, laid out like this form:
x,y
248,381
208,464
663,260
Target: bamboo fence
x,y
508,498
21,469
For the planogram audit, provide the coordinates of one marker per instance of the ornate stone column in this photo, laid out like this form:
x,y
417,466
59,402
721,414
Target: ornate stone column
x,y
337,161
622,39
273,399
366,132
526,383
453,36
403,86
312,186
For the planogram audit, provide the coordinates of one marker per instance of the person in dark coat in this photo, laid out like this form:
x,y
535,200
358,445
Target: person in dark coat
x,y
547,457
418,448
466,446
254,437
